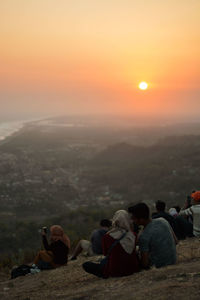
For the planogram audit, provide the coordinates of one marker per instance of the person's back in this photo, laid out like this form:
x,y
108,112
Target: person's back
x,y
157,239
119,249
161,213
96,240
120,262
166,216
194,210
94,246
183,228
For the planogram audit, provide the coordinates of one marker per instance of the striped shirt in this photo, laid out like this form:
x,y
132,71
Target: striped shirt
x,y
194,211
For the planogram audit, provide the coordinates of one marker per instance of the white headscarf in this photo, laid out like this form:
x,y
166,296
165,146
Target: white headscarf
x,y
120,225
173,212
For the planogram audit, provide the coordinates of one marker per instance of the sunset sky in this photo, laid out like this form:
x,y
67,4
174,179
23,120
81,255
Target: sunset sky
x,y
88,56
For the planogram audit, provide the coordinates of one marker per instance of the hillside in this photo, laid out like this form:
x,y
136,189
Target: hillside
x,y
80,167
71,282
167,170
75,176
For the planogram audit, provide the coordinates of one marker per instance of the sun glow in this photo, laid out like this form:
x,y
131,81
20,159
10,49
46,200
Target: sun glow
x,y
143,85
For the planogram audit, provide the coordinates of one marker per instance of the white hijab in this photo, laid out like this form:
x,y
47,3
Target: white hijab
x,y
173,212
120,225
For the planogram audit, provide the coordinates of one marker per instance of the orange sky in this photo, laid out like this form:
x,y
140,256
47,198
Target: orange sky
x,y
86,56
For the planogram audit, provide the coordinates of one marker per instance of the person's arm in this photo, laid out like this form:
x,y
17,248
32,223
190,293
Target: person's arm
x,y
171,230
174,236
45,242
144,251
188,202
68,241
145,263
186,212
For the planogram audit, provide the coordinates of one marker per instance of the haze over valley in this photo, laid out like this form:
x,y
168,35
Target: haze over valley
x,y
64,163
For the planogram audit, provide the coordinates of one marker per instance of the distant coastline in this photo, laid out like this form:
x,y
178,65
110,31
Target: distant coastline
x,y
9,128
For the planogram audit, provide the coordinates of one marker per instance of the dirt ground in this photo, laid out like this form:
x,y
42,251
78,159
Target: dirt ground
x,y
71,282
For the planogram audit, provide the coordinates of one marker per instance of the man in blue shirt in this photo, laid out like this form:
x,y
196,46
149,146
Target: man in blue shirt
x,y
157,241
94,246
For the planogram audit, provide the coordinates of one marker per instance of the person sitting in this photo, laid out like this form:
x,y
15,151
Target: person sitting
x,y
157,241
119,248
183,227
55,253
93,247
194,211
177,208
161,213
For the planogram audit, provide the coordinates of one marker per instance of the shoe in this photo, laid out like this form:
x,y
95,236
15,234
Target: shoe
x,y
34,271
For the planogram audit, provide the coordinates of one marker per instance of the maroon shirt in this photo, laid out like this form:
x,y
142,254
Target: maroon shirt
x,y
120,263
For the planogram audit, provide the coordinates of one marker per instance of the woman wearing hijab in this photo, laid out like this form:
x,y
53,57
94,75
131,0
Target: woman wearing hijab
x,y
122,259
56,252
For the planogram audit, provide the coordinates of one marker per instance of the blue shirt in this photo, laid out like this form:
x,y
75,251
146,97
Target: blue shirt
x,y
96,240
158,241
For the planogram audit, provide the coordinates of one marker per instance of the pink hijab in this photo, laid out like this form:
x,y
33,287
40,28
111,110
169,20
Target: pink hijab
x,y
57,234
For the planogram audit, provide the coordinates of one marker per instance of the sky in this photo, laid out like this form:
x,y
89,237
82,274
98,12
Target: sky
x,y
88,56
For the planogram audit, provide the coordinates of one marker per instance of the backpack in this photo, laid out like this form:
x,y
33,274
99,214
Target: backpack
x,y
20,271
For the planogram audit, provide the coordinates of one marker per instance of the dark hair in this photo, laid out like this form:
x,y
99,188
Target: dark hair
x,y
105,223
177,208
160,205
140,210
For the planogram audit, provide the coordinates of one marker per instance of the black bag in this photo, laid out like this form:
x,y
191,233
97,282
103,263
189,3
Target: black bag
x,y
20,271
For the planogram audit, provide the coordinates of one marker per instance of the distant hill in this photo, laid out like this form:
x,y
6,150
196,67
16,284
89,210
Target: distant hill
x,y
83,165
168,170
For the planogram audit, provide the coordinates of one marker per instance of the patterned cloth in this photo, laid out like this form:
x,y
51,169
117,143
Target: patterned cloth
x,y
194,211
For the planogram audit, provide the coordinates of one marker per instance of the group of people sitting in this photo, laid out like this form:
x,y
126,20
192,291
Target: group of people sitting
x,y
125,250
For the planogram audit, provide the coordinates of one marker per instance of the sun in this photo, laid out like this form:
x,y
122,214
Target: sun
x,y
143,85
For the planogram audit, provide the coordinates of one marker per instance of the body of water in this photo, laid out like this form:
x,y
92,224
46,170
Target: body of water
x,y
8,128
